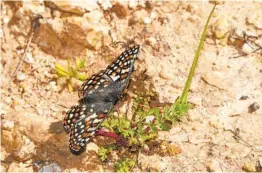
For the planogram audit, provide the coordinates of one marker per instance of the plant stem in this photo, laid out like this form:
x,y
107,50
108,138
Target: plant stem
x,y
184,96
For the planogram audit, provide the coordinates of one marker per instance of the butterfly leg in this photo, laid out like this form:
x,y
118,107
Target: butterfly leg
x,y
118,138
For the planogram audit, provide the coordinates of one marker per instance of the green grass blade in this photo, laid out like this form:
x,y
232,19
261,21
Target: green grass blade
x,y
61,70
184,96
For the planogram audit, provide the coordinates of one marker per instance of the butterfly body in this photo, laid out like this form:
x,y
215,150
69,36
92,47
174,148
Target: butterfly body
x,y
98,96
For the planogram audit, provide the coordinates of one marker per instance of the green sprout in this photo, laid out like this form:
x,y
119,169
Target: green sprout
x,y
105,151
69,73
181,103
125,165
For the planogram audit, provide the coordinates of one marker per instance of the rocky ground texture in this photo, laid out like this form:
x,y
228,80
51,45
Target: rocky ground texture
x,y
223,131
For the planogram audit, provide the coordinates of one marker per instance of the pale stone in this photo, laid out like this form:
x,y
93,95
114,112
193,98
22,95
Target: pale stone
x,y
20,76
249,167
213,166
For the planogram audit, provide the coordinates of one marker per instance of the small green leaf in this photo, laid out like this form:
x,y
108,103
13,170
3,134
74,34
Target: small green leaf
x,y
125,165
61,70
70,70
81,76
80,63
105,151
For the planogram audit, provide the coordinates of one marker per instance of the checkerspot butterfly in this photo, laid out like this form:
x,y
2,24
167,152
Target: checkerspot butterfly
x,y
98,96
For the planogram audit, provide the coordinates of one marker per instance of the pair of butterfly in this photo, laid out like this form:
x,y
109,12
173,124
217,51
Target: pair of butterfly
x,y
98,96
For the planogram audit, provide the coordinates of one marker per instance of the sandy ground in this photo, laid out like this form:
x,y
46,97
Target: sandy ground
x,y
222,132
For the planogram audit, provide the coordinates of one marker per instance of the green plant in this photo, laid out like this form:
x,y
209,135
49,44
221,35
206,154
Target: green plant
x,y
70,72
124,165
181,105
105,151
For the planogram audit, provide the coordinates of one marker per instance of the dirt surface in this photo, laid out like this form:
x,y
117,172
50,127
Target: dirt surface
x,y
221,133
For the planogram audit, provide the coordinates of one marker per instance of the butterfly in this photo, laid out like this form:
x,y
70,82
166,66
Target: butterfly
x,y
97,97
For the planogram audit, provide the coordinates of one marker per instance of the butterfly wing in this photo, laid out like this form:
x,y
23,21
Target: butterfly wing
x,y
95,82
123,66
90,117
119,70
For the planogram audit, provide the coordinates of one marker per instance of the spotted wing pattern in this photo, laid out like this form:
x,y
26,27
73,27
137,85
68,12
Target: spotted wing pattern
x,y
81,123
119,70
98,96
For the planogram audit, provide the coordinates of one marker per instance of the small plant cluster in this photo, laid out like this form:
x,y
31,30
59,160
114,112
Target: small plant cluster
x,y
71,72
143,127
146,121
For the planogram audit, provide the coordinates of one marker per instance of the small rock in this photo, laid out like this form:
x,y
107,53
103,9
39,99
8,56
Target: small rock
x,y
256,20
215,123
20,167
6,19
105,4
95,16
152,41
249,167
55,24
194,115
147,20
192,8
149,119
40,111
29,58
27,150
243,98
12,141
132,3
153,15
20,76
146,148
160,164
215,78
7,125
78,7
221,29
165,74
54,108
8,100
246,48
57,14
253,107
92,147
119,10
196,100
214,166
51,86
1,33
53,167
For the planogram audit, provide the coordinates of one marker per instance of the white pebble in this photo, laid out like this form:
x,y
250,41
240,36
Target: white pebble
x,y
8,125
29,58
153,15
149,119
246,48
147,20
132,3
105,4
20,76
8,100
6,19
